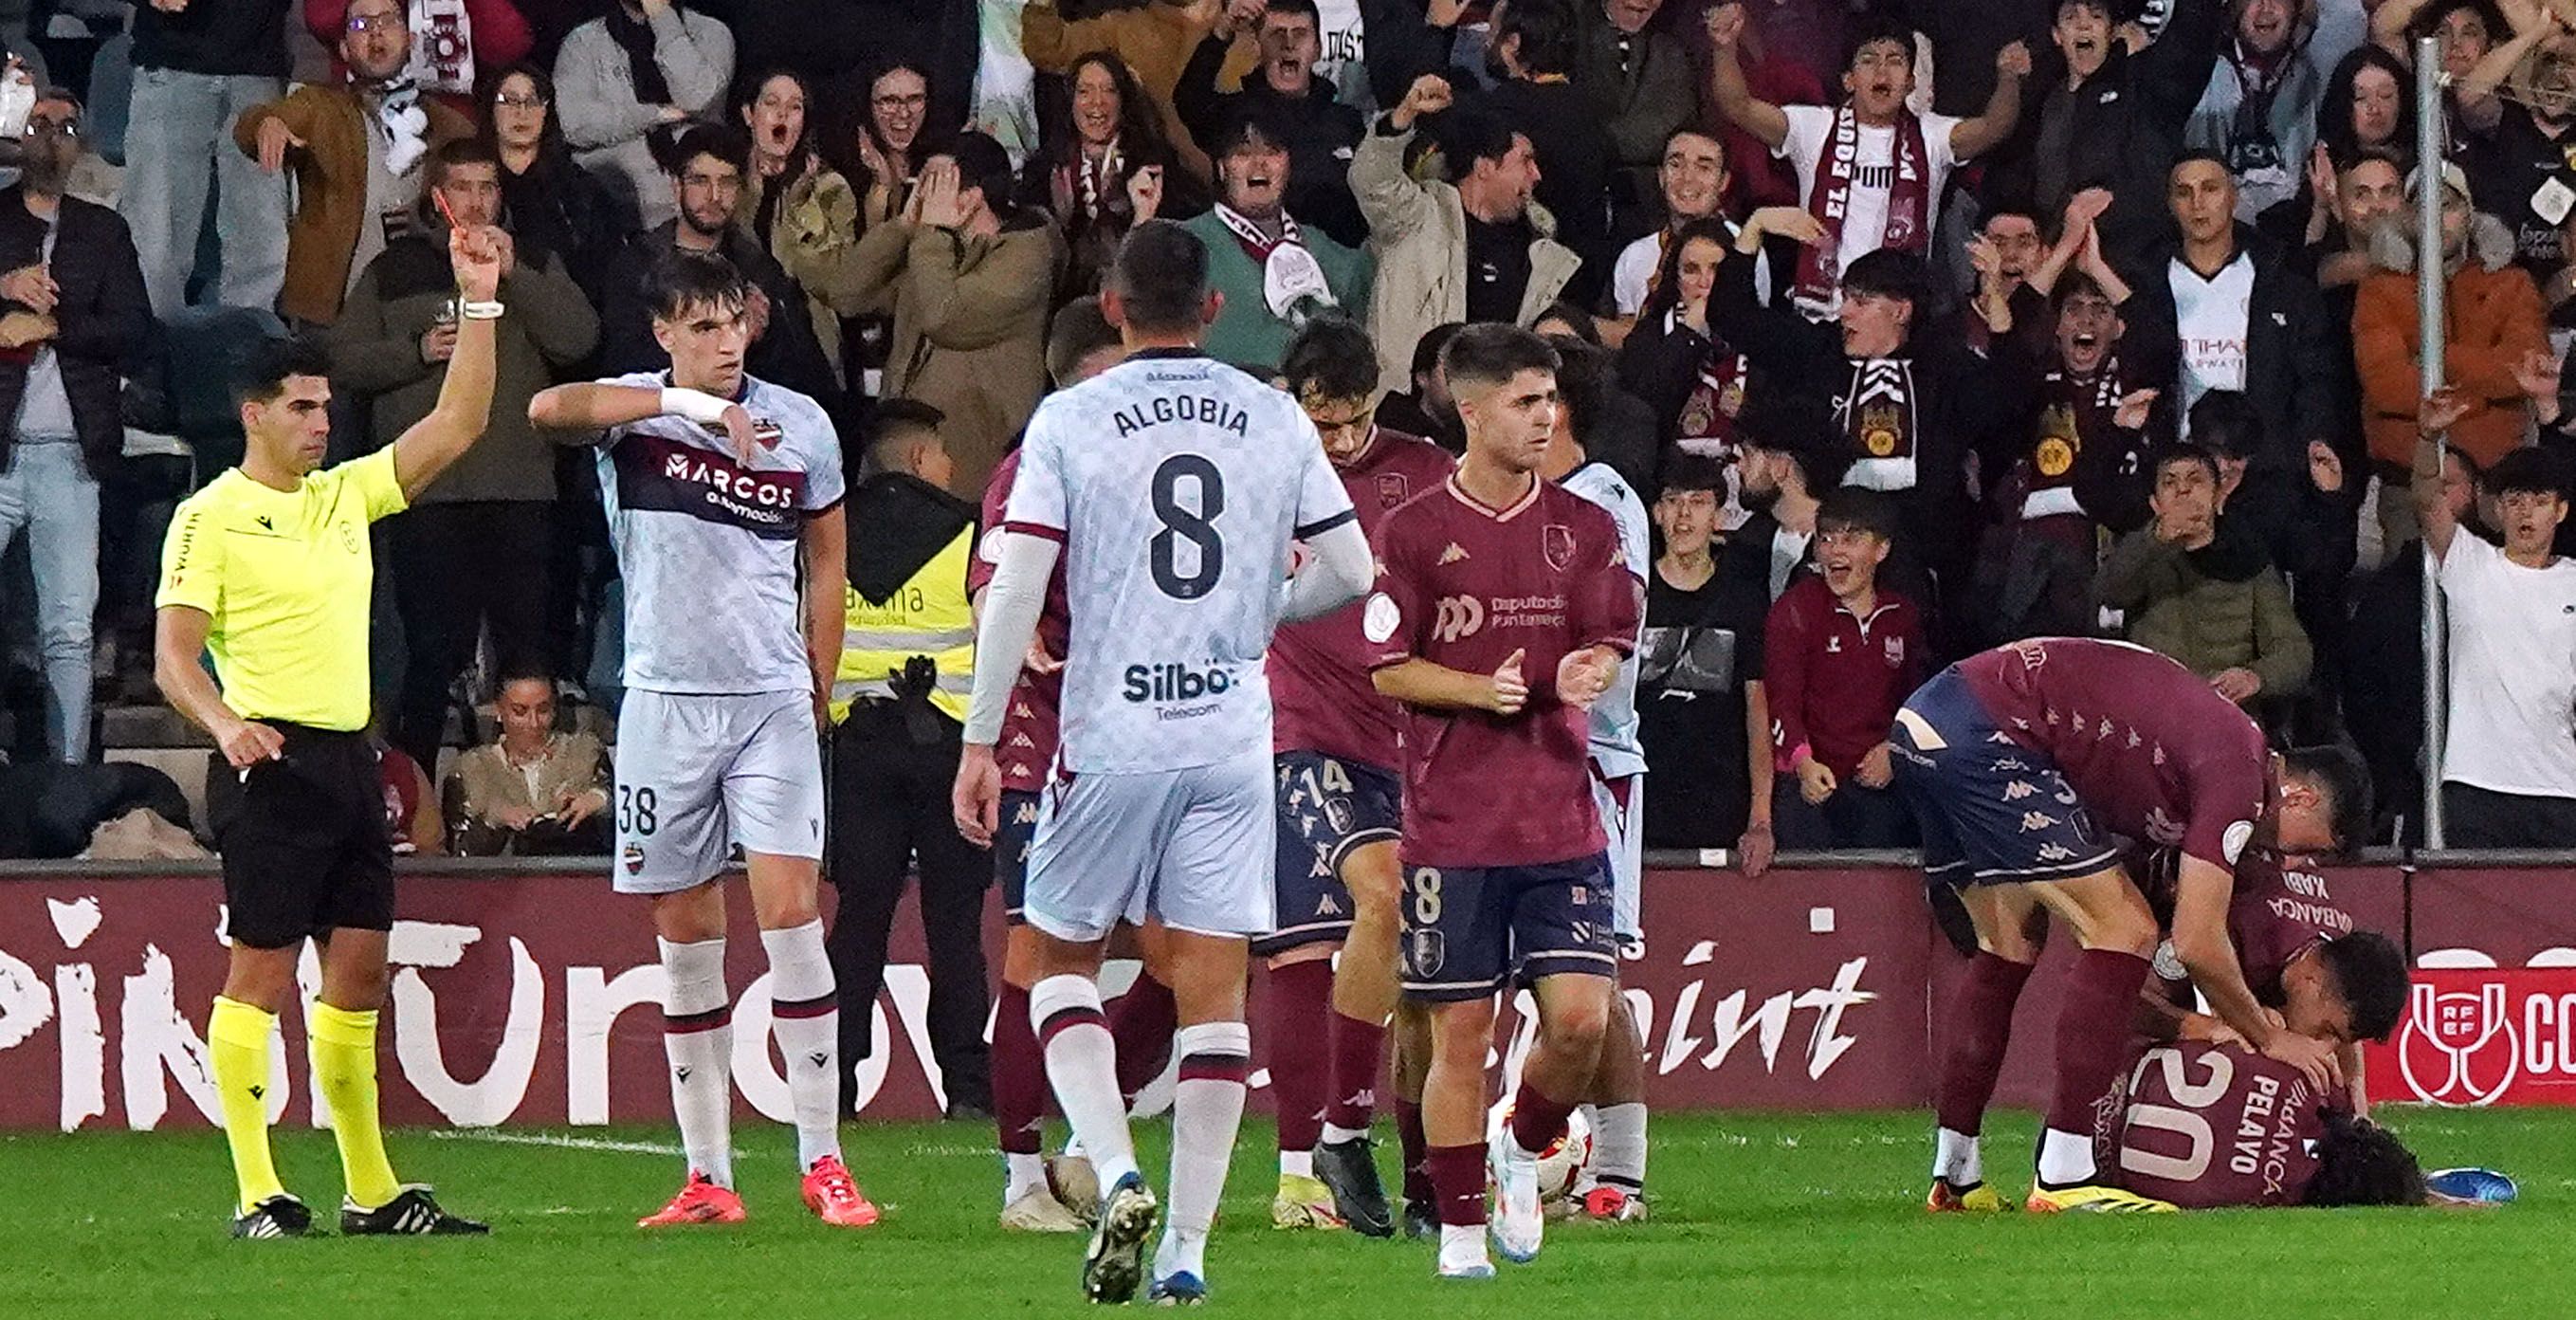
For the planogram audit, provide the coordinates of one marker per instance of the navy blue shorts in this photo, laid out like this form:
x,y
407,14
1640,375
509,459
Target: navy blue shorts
x,y
1469,931
1011,849
1992,811
1328,807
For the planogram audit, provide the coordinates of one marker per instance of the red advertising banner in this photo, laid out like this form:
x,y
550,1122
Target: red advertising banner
x,y
2479,1037
532,998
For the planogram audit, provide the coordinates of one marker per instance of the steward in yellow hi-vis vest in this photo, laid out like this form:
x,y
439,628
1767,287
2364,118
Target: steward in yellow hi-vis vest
x,y
898,726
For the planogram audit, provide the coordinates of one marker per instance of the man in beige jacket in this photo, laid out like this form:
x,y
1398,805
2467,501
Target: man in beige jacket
x,y
1473,249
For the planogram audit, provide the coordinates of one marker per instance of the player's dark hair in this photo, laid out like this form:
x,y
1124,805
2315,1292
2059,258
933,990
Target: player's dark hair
x,y
1078,331
1889,273
1857,509
725,142
2184,452
682,280
1294,9
2361,1163
2225,424
1873,29
1687,472
897,417
2370,973
1489,354
261,373
1332,358
1160,277
2345,779
2527,471
1427,349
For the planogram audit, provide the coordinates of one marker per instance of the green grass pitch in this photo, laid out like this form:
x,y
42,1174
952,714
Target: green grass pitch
x,y
1755,1215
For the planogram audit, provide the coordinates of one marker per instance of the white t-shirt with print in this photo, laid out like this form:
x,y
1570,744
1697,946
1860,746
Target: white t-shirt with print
x,y
2212,316
1811,134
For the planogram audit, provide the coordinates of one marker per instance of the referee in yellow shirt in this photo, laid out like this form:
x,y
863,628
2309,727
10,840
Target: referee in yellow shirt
x,y
269,568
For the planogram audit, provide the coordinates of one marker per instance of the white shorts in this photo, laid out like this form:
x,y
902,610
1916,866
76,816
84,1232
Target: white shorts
x,y
1192,847
699,773
1622,804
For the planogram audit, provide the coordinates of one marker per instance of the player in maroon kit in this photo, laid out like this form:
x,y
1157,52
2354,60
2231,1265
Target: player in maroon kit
x,y
1493,578
2209,1127
2303,958
1080,345
1337,879
2018,763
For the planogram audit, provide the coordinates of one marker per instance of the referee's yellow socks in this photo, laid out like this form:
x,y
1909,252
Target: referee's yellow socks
x,y
237,1037
344,1063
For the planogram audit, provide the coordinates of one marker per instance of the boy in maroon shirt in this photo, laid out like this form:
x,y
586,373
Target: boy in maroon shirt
x,y
2018,763
1493,578
1337,880
1838,656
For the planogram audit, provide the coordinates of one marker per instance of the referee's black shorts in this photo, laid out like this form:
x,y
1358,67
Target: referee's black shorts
x,y
303,840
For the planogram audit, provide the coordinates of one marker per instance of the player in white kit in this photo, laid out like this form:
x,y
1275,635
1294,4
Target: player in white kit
x,y
1173,486
715,484
1616,1109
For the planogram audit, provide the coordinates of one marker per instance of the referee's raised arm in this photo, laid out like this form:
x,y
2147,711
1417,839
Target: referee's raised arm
x,y
479,257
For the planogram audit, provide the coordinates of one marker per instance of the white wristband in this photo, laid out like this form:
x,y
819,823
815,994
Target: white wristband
x,y
480,311
697,405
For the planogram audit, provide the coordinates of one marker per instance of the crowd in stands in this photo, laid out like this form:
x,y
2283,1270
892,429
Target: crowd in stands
x,y
1927,325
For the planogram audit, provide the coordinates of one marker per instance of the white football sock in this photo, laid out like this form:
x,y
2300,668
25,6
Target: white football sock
x,y
1296,1164
1022,1174
805,1014
697,1036
2065,1158
1462,1245
1082,1066
1207,1108
1335,1134
1619,1145
1957,1158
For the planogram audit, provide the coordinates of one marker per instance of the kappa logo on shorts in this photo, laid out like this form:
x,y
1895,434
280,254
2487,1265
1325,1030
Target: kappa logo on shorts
x,y
634,858
1426,952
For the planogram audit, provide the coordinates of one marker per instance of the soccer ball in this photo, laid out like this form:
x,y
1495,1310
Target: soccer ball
x,y
1562,1165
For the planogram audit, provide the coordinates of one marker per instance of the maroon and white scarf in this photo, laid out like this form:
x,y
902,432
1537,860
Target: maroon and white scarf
x,y
1909,201
1292,281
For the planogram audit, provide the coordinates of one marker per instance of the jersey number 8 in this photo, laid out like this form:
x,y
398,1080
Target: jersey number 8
x,y
1180,523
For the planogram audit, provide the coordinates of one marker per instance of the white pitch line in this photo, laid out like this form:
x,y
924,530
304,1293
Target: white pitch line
x,y
499,1138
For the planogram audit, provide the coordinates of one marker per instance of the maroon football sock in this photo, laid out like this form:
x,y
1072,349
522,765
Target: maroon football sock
x,y
1142,1023
1978,1028
1294,1008
1457,1176
1537,1120
2093,1033
1019,1074
1417,1149
1359,1058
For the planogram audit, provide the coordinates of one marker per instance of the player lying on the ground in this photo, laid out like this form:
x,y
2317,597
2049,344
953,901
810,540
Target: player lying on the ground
x,y
2019,763
2207,1127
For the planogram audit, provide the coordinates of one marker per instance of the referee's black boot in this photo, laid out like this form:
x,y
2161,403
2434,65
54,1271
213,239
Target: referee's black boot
x,y
279,1216
414,1213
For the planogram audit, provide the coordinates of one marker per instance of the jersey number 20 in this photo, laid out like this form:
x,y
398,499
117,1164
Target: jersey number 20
x,y
1182,523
